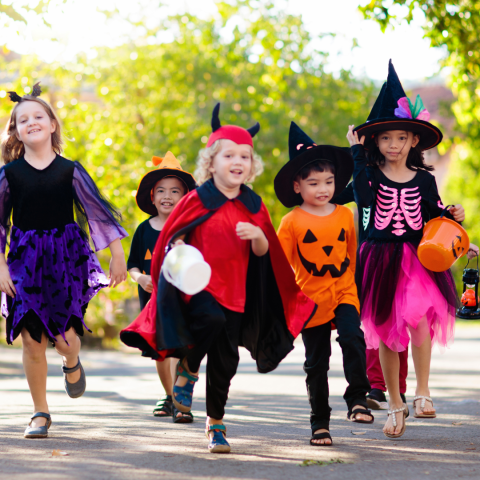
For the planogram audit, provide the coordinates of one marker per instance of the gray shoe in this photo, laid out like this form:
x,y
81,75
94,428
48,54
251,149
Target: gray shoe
x,y
75,390
38,432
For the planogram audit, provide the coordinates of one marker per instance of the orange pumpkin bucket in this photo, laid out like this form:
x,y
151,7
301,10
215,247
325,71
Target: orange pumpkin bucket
x,y
443,243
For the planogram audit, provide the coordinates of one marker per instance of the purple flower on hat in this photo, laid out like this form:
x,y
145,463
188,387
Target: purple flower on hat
x,y
407,110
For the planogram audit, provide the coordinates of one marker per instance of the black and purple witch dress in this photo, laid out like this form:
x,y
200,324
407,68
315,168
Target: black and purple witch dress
x,y
51,263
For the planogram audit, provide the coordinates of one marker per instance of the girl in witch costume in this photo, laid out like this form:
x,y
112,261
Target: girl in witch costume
x,y
252,298
51,272
376,399
401,299
319,240
158,193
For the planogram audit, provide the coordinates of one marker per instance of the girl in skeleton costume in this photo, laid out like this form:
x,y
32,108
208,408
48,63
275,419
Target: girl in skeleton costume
x,y
51,273
401,300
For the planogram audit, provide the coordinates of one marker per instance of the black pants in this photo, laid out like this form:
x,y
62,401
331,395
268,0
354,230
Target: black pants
x,y
317,364
216,333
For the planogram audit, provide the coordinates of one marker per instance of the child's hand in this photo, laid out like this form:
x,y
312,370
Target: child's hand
x,y
118,270
178,242
352,137
458,213
472,251
145,281
247,231
6,284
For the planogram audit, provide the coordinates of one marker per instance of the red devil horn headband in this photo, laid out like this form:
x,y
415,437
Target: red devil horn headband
x,y
230,132
36,91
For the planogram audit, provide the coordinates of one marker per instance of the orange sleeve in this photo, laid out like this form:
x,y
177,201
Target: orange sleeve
x,y
352,244
286,239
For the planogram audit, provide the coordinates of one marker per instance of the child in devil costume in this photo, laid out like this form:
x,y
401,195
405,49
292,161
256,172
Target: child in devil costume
x,y
158,193
319,240
252,298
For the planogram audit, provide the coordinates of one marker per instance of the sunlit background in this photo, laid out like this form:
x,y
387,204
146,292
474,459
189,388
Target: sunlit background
x,y
79,26
135,78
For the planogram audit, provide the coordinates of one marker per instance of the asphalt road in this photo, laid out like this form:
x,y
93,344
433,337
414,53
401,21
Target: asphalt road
x,y
110,432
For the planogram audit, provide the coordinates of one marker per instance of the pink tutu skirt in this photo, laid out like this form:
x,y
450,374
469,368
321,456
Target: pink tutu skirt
x,y
401,299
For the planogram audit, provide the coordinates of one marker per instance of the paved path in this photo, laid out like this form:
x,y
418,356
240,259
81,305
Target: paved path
x,y
110,433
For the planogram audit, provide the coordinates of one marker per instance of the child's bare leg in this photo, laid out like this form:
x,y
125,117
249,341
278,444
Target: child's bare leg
x,y
69,351
35,367
390,362
166,372
421,359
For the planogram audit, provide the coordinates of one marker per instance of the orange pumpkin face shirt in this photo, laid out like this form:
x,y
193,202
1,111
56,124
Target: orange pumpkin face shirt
x,y
322,253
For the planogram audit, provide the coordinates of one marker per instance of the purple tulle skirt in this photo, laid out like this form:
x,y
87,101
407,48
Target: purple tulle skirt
x,y
55,274
401,299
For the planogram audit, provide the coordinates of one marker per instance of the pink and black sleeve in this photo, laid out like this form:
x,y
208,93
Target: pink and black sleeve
x,y
435,205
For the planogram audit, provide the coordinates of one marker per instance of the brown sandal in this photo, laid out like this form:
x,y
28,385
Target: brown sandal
x,y
422,406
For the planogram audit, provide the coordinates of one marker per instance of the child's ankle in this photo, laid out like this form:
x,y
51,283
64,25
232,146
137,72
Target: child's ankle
x,y
214,421
395,403
424,392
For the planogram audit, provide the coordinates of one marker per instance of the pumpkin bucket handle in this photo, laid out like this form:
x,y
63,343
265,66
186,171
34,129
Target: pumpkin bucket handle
x,y
468,261
445,210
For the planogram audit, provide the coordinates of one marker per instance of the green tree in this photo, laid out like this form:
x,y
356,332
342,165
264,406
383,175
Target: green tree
x,y
148,97
17,11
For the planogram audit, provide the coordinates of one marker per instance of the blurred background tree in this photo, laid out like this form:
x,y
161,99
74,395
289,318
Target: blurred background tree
x,y
452,26
150,96
16,11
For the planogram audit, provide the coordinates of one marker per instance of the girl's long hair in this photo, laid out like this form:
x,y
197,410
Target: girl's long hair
x,y
415,158
12,147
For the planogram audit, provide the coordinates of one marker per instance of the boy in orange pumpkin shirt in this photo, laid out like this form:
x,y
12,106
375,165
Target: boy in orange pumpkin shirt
x,y
318,238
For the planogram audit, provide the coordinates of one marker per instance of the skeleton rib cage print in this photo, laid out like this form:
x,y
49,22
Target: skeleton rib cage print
x,y
402,206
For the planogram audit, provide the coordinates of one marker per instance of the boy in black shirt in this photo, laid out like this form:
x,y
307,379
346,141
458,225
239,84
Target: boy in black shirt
x,y
158,193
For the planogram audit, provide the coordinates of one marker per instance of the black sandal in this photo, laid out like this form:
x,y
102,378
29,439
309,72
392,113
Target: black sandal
x,y
187,417
320,436
164,407
352,415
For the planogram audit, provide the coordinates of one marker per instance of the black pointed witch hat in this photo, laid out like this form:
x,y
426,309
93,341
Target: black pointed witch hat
x,y
394,111
302,151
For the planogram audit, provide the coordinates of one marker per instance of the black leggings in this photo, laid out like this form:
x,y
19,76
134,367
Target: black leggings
x,y
216,333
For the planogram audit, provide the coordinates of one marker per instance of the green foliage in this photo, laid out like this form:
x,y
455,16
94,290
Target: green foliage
x,y
16,11
146,98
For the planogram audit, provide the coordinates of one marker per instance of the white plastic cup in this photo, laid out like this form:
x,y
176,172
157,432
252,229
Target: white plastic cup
x,y
185,268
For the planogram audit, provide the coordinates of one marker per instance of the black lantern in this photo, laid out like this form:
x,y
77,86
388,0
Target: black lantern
x,y
470,309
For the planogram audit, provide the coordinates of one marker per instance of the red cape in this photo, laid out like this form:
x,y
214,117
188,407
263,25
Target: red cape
x,y
296,308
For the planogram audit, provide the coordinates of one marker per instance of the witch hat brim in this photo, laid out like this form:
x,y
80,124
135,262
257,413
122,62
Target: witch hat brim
x,y
340,157
430,135
384,115
171,168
